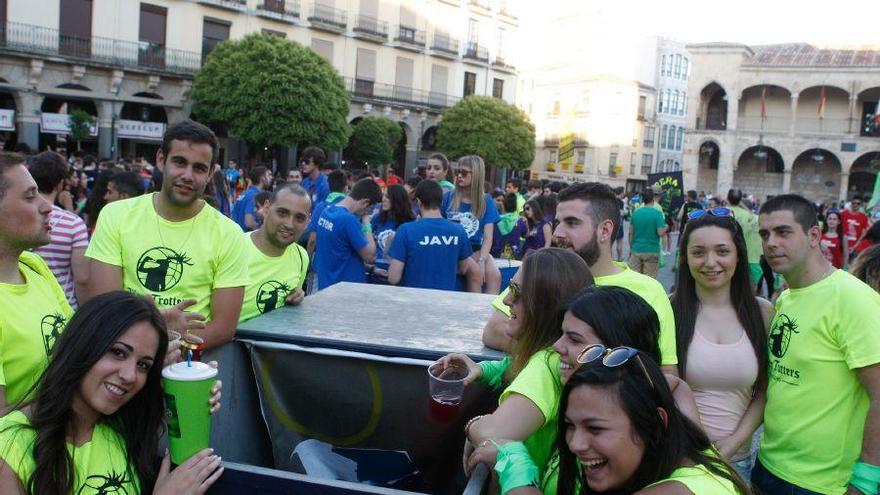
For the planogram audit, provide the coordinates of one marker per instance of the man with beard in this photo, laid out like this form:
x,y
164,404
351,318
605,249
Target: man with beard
x,y
33,307
170,246
276,263
588,217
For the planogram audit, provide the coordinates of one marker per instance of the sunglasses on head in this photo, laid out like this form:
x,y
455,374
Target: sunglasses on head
x,y
612,358
715,212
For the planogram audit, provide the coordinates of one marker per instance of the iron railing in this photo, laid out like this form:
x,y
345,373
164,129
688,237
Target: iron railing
x,y
329,16
476,52
279,8
444,43
226,4
38,40
409,35
401,95
370,25
501,62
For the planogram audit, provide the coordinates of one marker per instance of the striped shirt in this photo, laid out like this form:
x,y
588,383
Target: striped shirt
x,y
68,232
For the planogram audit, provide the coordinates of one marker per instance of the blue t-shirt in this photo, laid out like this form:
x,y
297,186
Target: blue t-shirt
x,y
316,213
472,225
339,238
382,231
232,176
430,249
318,189
245,205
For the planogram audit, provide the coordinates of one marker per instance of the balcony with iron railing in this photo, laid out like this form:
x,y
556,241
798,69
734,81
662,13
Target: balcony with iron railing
x,y
370,28
282,10
37,40
236,5
500,62
476,53
387,94
481,6
410,37
444,46
328,19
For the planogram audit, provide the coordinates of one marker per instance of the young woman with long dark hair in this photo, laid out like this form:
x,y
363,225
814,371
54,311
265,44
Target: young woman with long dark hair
x,y
97,411
395,210
833,240
721,332
540,234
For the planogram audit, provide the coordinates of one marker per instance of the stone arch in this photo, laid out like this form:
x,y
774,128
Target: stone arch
x,y
400,152
815,174
65,104
144,112
777,108
759,171
429,139
712,112
835,115
866,110
863,174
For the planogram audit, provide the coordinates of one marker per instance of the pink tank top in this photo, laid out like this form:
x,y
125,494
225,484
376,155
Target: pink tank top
x,y
722,377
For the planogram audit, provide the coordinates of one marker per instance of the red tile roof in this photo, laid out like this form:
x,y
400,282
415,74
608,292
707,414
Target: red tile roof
x,y
804,54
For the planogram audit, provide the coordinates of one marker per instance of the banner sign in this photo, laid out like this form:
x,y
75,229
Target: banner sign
x,y
59,123
559,176
135,129
672,184
7,120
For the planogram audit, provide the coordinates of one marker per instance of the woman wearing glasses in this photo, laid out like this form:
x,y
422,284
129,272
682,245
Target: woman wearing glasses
x,y
476,212
721,330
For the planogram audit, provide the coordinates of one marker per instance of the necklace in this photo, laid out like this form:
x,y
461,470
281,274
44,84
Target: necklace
x,y
159,228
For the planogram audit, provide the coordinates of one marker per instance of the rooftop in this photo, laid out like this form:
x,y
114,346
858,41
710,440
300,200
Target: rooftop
x,y
807,55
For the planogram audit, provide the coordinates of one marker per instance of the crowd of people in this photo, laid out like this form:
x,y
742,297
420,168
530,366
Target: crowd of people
x,y
611,385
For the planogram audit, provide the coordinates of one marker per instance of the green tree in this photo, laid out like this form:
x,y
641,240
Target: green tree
x,y
495,130
374,140
80,123
271,91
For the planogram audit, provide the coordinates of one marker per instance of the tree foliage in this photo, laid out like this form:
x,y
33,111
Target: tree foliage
x,y
80,123
489,127
272,91
374,140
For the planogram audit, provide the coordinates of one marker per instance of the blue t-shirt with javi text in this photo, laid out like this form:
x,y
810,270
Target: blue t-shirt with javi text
x,y
472,225
430,249
339,238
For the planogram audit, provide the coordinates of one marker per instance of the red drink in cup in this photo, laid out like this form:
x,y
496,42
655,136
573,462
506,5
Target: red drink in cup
x,y
447,389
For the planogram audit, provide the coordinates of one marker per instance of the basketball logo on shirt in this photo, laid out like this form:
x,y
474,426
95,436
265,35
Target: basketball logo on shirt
x,y
470,223
51,326
780,334
270,294
161,268
99,484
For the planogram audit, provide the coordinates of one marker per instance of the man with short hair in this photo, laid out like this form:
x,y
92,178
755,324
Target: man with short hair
x,y
123,185
33,307
691,204
748,222
428,253
513,186
855,223
232,173
587,218
295,176
244,210
313,180
69,236
345,237
822,412
174,247
536,188
646,228
276,263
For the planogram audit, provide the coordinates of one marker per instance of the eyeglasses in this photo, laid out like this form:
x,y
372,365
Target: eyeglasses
x,y
515,292
612,358
463,172
715,212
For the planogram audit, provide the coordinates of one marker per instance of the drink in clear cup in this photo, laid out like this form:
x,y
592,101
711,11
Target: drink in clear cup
x,y
187,389
446,387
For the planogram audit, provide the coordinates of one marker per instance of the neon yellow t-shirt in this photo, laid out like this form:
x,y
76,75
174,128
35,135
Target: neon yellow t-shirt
x,y
816,408
101,463
32,317
748,222
648,289
173,261
272,278
701,481
539,382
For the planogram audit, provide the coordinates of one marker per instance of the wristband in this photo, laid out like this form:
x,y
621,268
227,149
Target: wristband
x,y
493,372
865,478
367,229
514,467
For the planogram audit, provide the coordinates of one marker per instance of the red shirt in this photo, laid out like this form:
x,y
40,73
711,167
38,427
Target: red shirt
x,y
854,224
833,246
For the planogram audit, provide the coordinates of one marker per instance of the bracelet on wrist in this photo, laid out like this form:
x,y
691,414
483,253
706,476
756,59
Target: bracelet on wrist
x,y
467,426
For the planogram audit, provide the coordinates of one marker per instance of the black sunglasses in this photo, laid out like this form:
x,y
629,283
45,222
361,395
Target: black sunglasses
x,y
612,358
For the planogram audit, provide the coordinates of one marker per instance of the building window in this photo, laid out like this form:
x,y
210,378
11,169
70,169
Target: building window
x,y
647,162
679,138
498,88
75,26
677,66
670,142
663,132
663,66
681,108
643,103
684,68
151,46
581,157
470,83
554,154
648,136
214,31
632,163
612,162
323,48
473,31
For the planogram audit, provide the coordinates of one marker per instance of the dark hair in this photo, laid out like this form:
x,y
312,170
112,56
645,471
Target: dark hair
x,y
429,194
401,208
366,188
803,211
686,304
872,235
510,202
648,196
692,195
666,444
866,266
537,216
96,200
8,161
517,183
603,203
315,154
260,198
536,184
218,181
48,170
734,197
192,131
413,181
557,186
841,239
256,174
337,180
131,183
548,203
91,331
442,158
619,317
330,166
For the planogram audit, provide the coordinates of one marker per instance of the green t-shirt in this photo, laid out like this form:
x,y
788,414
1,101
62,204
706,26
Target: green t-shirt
x,y
173,261
748,222
539,382
816,408
644,225
701,481
101,463
645,287
272,278
32,317
520,203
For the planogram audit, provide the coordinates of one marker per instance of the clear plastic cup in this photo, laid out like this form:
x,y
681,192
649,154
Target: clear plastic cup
x,y
446,387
